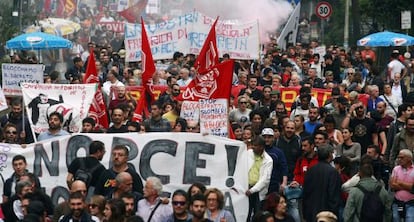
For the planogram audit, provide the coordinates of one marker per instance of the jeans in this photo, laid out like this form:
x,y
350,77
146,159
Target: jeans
x,y
409,213
293,209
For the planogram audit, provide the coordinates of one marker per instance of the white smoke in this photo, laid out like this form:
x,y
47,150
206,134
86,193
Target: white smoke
x,y
271,14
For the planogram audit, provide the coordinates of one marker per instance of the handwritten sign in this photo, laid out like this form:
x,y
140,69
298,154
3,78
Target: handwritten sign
x,y
214,117
187,33
190,111
15,74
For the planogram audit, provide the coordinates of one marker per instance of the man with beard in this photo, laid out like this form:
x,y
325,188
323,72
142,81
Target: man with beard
x,y
16,117
77,210
118,125
180,205
404,111
119,158
198,208
365,131
130,204
340,109
289,143
90,163
63,208
55,127
120,98
313,122
157,123
252,91
171,92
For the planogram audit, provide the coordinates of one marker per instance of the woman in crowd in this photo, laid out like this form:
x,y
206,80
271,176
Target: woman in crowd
x,y
180,125
237,131
276,204
391,101
215,205
247,135
97,206
350,149
114,211
196,188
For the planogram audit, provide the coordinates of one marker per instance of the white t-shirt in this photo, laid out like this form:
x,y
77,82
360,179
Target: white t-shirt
x,y
395,66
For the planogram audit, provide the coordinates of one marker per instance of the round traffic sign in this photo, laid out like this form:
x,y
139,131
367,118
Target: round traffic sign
x,y
323,10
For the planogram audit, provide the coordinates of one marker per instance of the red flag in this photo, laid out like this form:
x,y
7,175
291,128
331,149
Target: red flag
x,y
213,84
148,70
208,56
138,113
131,14
47,6
91,75
60,8
97,110
231,133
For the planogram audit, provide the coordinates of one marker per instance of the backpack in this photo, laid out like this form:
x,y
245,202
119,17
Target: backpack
x,y
84,174
372,207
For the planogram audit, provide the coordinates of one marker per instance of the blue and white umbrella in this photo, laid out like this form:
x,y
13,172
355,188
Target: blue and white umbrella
x,y
38,41
386,39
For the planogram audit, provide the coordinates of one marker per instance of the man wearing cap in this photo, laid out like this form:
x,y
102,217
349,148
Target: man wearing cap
x,y
322,186
260,171
280,170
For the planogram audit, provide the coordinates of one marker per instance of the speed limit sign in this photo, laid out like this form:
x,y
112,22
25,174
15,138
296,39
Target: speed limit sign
x,y
323,10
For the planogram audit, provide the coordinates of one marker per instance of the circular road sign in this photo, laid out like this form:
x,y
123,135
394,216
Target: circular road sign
x,y
323,10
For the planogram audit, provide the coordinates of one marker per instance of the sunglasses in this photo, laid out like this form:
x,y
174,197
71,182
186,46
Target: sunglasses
x,y
243,102
11,132
178,203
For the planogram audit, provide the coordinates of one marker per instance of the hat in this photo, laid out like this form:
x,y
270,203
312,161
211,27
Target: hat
x,y
275,92
326,216
267,131
395,51
122,53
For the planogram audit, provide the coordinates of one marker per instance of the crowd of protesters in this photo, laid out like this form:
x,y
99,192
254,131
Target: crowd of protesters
x,y
362,136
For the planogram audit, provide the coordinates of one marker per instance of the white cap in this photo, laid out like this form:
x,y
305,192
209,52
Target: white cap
x,y
267,131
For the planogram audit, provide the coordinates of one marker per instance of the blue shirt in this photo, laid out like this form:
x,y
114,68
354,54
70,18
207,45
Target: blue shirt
x,y
47,135
310,127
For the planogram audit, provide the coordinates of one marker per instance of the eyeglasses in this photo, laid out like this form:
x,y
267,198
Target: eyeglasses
x,y
11,132
179,203
93,205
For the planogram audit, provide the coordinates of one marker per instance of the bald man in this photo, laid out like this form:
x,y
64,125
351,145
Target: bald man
x,y
63,208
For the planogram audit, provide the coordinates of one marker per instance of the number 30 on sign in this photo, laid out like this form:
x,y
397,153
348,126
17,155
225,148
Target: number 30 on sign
x,y
323,10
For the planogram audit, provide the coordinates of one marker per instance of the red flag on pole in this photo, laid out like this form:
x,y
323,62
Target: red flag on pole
x,y
91,75
208,56
148,70
213,84
97,110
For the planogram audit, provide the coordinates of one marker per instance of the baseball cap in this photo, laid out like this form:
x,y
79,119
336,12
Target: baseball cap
x,y
267,131
342,100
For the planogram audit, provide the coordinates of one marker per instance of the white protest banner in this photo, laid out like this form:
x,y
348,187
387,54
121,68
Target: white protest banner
x,y
214,117
190,111
178,159
187,33
72,101
15,74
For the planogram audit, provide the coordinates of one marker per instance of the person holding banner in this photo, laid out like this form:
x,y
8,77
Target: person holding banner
x,y
55,127
17,118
